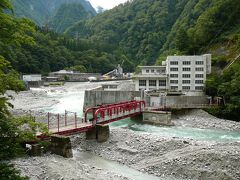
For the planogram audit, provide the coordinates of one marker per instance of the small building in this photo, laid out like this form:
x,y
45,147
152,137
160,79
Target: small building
x,y
32,77
151,78
74,76
110,87
32,80
177,73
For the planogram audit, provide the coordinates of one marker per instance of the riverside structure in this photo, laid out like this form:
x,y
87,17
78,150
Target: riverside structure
x,y
177,73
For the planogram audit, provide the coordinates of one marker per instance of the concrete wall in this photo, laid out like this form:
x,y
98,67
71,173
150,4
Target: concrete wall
x,y
94,98
157,118
179,101
32,77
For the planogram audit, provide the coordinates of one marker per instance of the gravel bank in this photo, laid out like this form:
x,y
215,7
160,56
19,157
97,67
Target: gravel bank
x,y
169,157
55,167
201,119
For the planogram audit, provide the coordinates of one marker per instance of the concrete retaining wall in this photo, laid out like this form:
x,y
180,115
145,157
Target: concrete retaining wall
x,y
157,118
180,101
94,98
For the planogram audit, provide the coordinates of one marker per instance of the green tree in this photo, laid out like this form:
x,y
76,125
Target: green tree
x,y
182,41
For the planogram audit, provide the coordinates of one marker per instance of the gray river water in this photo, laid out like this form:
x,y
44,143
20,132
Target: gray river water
x,y
113,166
73,101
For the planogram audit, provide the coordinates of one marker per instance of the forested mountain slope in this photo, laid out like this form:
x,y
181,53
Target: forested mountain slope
x,y
67,15
44,11
146,29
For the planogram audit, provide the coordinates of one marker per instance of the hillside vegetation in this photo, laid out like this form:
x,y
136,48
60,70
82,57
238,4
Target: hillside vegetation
x,y
55,14
67,15
146,29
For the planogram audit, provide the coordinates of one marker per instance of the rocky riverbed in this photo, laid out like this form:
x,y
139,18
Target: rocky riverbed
x,y
165,157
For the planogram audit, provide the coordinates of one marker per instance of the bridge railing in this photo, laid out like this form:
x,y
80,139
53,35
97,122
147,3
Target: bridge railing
x,y
56,122
116,111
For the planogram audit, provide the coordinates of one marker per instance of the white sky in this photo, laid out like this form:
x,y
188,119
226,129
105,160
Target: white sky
x,y
106,4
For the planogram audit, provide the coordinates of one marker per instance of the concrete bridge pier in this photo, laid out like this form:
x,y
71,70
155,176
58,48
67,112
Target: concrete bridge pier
x,y
99,132
61,145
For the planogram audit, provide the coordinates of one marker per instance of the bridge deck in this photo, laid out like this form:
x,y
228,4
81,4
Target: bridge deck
x,y
101,115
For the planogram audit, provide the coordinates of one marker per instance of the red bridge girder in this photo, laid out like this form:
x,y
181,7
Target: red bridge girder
x,y
102,115
115,111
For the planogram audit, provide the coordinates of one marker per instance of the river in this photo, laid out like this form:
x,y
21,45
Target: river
x,y
72,100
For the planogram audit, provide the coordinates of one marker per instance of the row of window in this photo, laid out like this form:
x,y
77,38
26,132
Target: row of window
x,y
187,88
157,71
188,69
187,75
164,83
152,83
186,81
186,62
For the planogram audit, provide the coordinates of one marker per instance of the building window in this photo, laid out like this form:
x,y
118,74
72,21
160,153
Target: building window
x,y
174,81
199,63
162,83
199,75
152,83
199,69
158,71
142,82
174,87
186,75
173,69
186,81
152,70
147,71
199,81
186,87
186,62
174,75
199,88
186,69
174,63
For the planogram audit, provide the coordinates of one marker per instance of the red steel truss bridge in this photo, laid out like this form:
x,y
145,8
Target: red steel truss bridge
x,y
70,124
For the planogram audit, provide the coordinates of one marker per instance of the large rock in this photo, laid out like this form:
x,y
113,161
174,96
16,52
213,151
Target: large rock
x,y
61,145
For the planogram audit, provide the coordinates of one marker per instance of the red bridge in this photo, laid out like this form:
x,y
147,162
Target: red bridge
x,y
95,115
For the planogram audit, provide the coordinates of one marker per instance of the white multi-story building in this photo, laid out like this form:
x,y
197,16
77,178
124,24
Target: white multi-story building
x,y
178,73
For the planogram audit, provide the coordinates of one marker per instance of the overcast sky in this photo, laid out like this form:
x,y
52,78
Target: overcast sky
x,y
106,4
